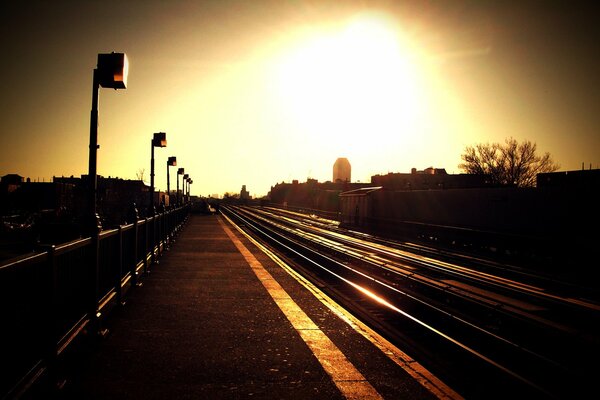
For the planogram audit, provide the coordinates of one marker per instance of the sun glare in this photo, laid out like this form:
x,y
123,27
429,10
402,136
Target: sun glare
x,y
356,82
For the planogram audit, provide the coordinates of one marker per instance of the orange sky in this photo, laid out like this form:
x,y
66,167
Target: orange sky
x,y
255,93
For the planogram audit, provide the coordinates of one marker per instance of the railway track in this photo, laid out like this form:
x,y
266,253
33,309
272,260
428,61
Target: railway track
x,y
563,283
486,334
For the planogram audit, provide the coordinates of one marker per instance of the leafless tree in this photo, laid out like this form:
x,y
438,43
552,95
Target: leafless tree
x,y
139,175
511,163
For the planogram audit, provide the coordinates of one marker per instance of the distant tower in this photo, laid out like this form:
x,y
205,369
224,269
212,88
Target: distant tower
x,y
341,170
244,195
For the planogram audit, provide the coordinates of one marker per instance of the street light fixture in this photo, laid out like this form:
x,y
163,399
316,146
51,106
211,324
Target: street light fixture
x,y
180,171
171,162
111,72
113,69
159,140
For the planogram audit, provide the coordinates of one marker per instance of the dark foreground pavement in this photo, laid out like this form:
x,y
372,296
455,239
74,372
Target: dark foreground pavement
x,y
203,326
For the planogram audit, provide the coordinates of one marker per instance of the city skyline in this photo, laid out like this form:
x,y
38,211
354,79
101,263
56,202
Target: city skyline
x,y
255,93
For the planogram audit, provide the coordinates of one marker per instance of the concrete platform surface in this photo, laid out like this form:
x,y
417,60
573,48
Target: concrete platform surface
x,y
216,319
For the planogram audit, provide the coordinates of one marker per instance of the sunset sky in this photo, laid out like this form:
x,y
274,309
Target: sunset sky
x,y
259,92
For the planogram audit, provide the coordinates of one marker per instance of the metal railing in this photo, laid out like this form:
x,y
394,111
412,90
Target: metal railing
x,y
62,293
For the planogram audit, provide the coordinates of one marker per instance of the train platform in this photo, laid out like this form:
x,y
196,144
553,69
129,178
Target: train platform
x,y
218,318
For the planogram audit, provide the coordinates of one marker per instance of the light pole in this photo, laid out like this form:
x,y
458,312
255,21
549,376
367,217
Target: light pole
x,y
159,140
184,180
189,181
171,162
180,171
111,72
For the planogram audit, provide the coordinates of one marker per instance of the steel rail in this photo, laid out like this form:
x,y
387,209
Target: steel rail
x,y
478,262
305,249
575,340
491,304
470,274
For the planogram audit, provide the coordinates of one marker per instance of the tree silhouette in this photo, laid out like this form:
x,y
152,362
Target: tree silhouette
x,y
139,175
511,163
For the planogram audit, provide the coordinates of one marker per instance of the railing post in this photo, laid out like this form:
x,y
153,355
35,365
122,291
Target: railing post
x,y
173,224
133,266
167,229
133,217
158,235
94,271
119,274
161,232
163,229
146,227
50,320
152,240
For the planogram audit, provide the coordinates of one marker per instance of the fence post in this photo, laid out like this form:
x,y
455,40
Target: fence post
x,y
166,230
119,275
172,225
152,242
133,266
94,281
133,216
51,323
157,240
161,228
146,225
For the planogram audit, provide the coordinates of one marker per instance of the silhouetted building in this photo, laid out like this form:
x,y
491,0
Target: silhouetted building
x,y
34,212
342,172
19,197
244,194
356,206
10,182
115,197
589,178
312,194
52,212
428,179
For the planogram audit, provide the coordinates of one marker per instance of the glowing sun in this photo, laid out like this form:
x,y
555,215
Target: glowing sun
x,y
360,81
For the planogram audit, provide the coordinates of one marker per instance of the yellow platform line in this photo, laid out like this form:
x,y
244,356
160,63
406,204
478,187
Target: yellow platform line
x,y
351,383
423,376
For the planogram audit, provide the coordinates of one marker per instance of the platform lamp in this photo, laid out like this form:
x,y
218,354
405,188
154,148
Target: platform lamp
x,y
190,181
183,182
111,72
158,140
180,171
171,162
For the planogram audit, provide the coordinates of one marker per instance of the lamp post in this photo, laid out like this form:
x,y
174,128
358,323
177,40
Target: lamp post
x,y
171,162
111,72
189,182
180,171
184,180
159,140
